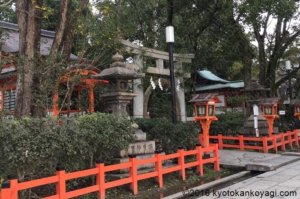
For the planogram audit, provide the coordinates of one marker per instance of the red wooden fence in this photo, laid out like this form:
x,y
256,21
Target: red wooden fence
x,y
258,143
134,177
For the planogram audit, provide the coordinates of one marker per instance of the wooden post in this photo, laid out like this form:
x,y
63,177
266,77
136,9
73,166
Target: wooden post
x,y
200,160
241,142
296,137
274,140
220,141
101,181
270,121
91,97
181,163
289,134
13,188
10,191
265,144
158,168
61,184
133,174
205,124
216,157
55,104
282,142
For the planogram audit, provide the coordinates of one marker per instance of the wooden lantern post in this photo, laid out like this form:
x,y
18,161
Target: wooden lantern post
x,y
204,111
269,109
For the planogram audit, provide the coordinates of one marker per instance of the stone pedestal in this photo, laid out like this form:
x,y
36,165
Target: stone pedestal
x,y
117,102
142,149
262,127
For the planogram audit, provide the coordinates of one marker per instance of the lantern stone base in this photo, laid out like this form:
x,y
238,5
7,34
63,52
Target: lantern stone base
x,y
141,149
262,126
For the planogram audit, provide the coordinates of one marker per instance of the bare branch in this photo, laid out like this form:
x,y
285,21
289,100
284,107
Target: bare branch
x,y
6,3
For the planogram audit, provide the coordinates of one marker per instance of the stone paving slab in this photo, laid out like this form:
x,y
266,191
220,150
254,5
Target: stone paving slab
x,y
284,180
254,160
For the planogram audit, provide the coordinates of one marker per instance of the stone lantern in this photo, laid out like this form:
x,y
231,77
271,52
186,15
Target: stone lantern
x,y
204,111
269,108
118,94
296,104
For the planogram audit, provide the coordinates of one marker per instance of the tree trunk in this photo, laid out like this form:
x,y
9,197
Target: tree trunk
x,y
28,15
69,35
59,35
22,9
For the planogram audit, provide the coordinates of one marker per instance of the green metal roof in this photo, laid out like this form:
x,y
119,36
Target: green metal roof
x,y
239,84
206,74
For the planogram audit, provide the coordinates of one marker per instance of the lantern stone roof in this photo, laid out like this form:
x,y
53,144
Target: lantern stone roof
x,y
295,102
118,70
269,101
205,97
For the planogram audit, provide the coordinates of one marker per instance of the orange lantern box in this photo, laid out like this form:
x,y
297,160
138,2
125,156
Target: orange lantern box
x,y
269,108
204,112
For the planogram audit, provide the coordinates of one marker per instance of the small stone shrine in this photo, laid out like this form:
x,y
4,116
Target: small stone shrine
x,y
255,93
117,98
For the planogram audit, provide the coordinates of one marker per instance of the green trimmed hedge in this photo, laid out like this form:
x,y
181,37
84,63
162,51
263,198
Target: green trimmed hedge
x,y
227,124
169,136
32,148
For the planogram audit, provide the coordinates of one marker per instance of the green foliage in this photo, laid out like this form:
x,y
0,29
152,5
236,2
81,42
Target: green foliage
x,y
236,101
32,148
169,136
227,124
108,132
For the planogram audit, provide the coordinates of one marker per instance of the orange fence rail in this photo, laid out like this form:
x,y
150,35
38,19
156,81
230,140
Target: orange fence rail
x,y
134,177
264,144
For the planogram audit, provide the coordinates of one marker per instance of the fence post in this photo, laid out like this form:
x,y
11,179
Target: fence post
x,y
274,139
133,174
61,184
241,141
289,134
296,137
265,144
158,168
181,162
217,158
100,180
282,142
220,141
8,190
199,158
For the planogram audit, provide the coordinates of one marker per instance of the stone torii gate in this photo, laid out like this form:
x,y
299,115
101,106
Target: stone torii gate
x,y
140,102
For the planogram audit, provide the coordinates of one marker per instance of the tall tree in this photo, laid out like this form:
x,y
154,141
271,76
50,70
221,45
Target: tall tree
x,y
29,16
272,42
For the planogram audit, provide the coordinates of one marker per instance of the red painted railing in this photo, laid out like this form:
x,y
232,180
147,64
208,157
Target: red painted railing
x,y
134,177
264,144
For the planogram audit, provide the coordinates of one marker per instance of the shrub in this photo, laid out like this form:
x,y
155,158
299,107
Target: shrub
x,y
169,136
32,148
228,123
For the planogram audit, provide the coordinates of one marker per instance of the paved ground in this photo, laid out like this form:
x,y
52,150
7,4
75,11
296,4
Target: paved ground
x,y
254,160
284,180
282,176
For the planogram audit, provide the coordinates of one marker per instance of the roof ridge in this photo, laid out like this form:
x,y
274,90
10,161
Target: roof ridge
x,y
14,27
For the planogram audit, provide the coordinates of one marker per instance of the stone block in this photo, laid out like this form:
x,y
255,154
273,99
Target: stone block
x,y
139,135
138,148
